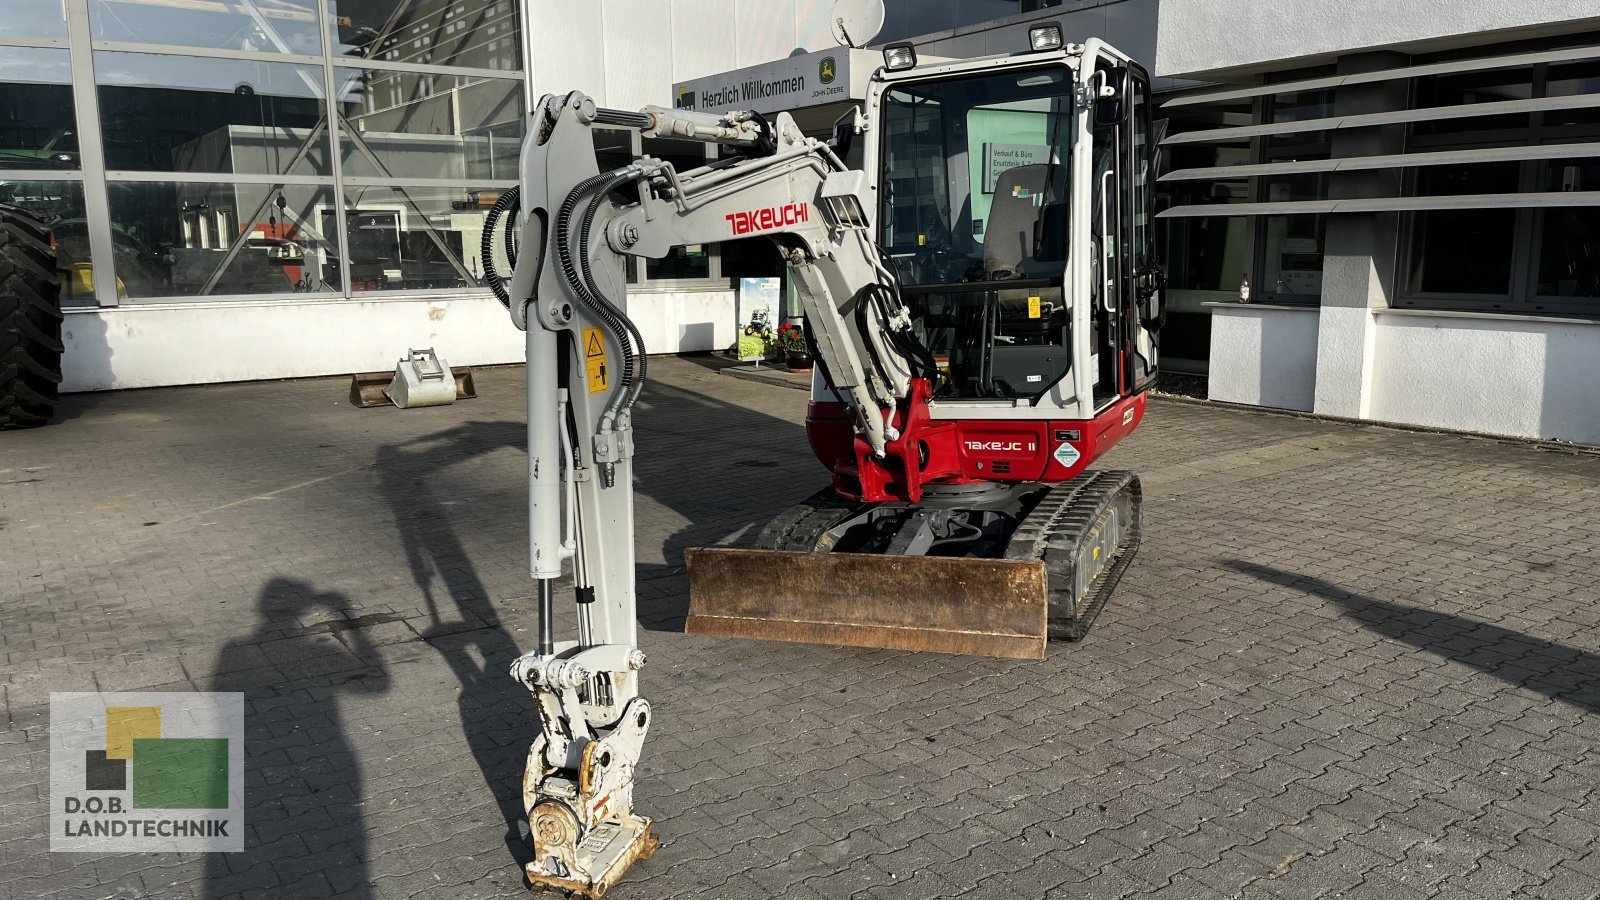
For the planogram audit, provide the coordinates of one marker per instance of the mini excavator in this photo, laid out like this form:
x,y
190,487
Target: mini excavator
x,y
981,295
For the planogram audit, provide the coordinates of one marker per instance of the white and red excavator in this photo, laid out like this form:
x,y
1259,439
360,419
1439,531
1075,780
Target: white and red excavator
x,y
983,303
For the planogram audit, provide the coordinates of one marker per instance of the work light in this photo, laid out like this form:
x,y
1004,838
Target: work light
x,y
897,57
1045,37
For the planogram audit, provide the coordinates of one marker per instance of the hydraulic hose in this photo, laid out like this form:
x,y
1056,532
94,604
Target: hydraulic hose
x,y
594,290
511,228
507,201
578,278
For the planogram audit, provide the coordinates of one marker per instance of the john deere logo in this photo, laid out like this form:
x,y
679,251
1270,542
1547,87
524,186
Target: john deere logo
x,y
147,772
827,70
685,98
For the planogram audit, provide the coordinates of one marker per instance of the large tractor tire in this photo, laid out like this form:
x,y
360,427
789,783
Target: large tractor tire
x,y
30,321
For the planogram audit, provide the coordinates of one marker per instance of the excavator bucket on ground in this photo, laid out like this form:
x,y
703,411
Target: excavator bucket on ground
x,y
976,607
371,389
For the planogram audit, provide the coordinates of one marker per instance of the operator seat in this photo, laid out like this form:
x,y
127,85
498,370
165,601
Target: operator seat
x,y
1025,210
1030,349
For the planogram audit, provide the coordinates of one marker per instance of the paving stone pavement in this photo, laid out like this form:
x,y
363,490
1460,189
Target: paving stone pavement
x,y
1348,661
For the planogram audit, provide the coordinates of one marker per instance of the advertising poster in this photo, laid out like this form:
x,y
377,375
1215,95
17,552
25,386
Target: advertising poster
x,y
758,315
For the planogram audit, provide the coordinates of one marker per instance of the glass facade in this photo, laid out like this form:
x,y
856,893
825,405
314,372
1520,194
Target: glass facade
x,y
1531,259
1487,252
323,148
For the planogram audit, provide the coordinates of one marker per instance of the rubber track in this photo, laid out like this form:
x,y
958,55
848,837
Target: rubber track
x,y
30,321
802,526
1052,533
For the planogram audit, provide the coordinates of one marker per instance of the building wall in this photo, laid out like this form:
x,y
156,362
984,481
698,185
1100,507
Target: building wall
x,y
1499,375
200,343
1128,25
1211,37
1264,355
629,53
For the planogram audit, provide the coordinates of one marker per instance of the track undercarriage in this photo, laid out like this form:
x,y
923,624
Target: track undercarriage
x,y
986,568
1085,531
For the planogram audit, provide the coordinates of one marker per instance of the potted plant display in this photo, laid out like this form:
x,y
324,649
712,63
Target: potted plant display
x,y
791,339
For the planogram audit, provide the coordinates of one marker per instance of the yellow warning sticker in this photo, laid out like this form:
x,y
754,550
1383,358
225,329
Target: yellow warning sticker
x,y
1033,308
922,240
594,352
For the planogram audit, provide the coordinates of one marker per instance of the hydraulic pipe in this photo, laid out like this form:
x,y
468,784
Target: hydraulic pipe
x,y
544,454
622,117
547,617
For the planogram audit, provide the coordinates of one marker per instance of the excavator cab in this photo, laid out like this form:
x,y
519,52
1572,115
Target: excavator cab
x,y
1014,214
976,202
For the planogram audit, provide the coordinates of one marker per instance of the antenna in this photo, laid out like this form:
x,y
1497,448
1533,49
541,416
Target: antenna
x,y
856,22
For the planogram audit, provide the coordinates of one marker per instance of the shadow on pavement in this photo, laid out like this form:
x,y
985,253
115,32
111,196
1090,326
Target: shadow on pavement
x,y
465,629
1555,670
302,778
725,470
687,441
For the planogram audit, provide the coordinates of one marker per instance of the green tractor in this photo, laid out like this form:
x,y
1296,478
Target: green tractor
x,y
30,320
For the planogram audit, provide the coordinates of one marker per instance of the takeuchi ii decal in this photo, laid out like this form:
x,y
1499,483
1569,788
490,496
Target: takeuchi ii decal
x,y
771,217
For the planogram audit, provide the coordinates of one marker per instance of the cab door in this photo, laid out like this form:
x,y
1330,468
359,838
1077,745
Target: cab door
x,y
1144,301
1127,283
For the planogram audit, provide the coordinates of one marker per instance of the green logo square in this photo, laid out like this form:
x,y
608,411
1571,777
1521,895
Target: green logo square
x,y
180,773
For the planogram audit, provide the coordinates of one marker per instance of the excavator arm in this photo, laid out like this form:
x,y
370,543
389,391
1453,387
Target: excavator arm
x,y
586,364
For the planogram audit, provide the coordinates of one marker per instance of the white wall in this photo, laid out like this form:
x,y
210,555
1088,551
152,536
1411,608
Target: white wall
x,y
1263,355
198,343
1501,375
146,346
1204,36
684,321
629,53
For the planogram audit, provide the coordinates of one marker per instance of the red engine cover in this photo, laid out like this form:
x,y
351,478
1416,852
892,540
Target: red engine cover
x,y
963,450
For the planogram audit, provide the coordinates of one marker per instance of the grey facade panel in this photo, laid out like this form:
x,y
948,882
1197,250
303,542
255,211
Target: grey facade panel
x,y
1397,117
1476,64
1214,38
1386,204
1389,161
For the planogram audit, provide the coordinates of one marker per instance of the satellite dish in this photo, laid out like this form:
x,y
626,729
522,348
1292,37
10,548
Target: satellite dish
x,y
856,22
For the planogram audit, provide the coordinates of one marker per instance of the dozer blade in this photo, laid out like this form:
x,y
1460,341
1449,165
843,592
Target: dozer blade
x,y
975,607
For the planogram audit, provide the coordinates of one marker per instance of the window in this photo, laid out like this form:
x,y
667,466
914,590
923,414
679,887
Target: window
x,y
690,262
1540,260
60,205
1463,251
37,128
189,114
291,27
480,34
409,237
1205,257
191,239
1468,88
1569,239
405,125
1290,247
256,174
33,18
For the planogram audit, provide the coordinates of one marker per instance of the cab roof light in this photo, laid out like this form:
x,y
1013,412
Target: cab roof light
x,y
1045,36
899,57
